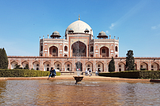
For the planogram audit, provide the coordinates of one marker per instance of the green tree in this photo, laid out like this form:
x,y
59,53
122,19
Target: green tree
x,y
129,60
3,59
111,65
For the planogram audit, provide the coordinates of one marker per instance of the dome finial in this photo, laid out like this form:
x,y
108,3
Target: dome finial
x,y
79,17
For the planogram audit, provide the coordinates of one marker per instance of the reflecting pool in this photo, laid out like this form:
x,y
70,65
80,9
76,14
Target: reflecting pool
x,y
88,93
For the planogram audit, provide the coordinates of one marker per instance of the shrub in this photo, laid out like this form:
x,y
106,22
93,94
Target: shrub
x,y
58,73
22,73
134,74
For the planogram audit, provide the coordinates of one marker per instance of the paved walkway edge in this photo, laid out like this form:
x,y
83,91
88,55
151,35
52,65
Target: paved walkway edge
x,y
86,78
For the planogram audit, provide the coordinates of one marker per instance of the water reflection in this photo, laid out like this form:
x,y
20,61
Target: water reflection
x,y
60,92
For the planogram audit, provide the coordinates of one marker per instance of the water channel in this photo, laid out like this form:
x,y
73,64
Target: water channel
x,y
88,93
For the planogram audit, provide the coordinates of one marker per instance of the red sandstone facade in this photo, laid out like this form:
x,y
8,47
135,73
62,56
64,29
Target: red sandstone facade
x,y
79,50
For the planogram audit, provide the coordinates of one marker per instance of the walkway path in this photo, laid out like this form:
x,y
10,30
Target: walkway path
x,y
70,77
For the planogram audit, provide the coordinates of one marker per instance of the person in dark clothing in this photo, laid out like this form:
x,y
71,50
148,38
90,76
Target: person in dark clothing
x,y
52,73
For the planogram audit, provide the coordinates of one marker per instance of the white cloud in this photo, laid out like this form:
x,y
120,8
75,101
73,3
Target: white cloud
x,y
155,27
107,32
130,13
112,25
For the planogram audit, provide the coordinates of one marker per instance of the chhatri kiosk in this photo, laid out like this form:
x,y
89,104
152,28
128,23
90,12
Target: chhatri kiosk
x,y
79,50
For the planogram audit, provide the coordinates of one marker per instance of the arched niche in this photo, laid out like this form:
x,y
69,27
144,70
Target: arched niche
x,y
121,66
58,66
104,51
47,66
100,67
53,51
79,49
89,65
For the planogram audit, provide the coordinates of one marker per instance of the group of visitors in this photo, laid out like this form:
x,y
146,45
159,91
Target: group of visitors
x,y
52,73
89,72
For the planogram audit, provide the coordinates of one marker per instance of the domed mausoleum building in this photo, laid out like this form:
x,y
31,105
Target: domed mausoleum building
x,y
79,50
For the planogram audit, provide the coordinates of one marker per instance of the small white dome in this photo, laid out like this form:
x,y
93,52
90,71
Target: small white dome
x,y
55,33
102,33
79,27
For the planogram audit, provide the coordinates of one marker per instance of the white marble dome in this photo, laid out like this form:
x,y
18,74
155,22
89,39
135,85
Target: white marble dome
x,y
79,27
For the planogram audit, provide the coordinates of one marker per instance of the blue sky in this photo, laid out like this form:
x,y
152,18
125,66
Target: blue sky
x,y
135,22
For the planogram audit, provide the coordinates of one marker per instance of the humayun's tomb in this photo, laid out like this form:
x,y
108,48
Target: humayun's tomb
x,y
79,49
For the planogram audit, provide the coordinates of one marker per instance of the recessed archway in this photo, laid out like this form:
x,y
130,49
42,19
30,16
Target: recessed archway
x,y
53,51
36,65
79,49
89,65
68,66
47,65
154,66
104,51
58,66
121,66
100,67
144,66
24,64
13,64
79,66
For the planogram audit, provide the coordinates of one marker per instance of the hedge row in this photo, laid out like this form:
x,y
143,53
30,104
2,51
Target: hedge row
x,y
23,73
134,74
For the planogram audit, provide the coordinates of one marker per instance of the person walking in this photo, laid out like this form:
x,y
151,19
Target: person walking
x,y
86,72
90,72
96,73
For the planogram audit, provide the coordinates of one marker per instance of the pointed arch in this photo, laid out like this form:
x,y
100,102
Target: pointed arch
x,y
100,66
13,64
144,66
58,66
68,66
155,66
89,65
47,65
36,65
78,49
24,63
78,66
53,51
121,66
104,51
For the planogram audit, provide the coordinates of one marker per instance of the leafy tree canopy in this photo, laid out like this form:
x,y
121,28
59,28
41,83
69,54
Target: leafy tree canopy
x,y
111,65
3,59
129,60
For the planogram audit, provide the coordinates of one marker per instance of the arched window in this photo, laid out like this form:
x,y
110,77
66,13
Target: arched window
x,y
65,48
54,50
91,49
116,48
41,48
103,51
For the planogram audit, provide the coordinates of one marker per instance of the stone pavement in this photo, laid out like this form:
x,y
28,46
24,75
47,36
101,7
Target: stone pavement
x,y
70,77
